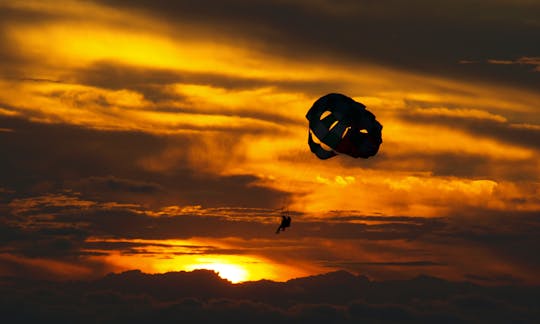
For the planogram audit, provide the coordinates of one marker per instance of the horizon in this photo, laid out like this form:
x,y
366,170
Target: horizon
x,y
216,273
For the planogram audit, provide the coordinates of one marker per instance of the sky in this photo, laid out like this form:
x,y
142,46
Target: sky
x,y
167,136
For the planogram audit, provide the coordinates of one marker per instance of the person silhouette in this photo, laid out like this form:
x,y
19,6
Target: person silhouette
x,y
285,222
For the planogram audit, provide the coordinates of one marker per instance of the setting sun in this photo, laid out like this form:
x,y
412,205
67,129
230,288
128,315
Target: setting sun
x,y
232,272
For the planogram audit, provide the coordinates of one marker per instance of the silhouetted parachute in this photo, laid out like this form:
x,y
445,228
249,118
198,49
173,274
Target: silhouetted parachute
x,y
345,126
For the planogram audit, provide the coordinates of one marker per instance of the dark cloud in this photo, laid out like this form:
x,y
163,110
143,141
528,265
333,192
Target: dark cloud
x,y
507,278
107,165
112,183
466,165
417,35
347,216
40,80
133,248
420,263
510,235
201,296
501,131
151,81
533,63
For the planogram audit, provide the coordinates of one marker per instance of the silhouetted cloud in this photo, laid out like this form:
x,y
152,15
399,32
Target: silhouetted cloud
x,y
201,296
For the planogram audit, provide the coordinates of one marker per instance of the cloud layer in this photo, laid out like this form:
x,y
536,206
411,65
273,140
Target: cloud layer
x,y
168,136
337,297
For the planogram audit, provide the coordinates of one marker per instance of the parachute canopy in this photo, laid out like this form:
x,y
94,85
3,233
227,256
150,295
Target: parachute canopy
x,y
343,126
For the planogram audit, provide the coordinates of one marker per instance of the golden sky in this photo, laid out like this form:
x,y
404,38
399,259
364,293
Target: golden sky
x,y
168,138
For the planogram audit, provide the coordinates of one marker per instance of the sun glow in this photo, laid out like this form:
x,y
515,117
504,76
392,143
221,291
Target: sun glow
x,y
161,256
232,272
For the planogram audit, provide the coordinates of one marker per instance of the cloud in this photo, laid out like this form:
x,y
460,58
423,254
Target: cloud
x,y
444,164
523,61
201,296
66,227
347,32
420,263
64,185
147,125
375,32
478,123
152,82
112,183
534,61
125,166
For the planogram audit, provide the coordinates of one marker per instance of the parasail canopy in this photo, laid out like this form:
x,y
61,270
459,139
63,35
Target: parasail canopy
x,y
343,126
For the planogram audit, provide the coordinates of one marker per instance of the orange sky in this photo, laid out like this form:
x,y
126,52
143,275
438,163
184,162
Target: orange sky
x,y
454,148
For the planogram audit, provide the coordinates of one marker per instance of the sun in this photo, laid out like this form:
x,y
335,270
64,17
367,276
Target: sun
x,y
232,272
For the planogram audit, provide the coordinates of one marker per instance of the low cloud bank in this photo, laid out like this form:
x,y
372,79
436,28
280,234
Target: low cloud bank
x,y
202,296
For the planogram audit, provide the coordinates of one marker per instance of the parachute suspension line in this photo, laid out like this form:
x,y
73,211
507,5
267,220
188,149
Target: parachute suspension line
x,y
298,162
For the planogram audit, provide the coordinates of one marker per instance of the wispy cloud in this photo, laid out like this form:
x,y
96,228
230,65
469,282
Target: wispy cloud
x,y
534,61
110,235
